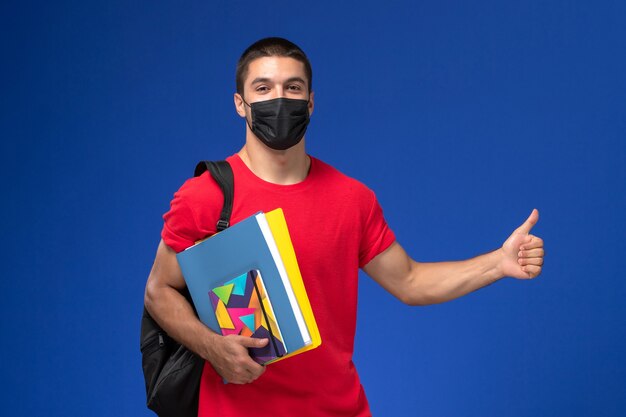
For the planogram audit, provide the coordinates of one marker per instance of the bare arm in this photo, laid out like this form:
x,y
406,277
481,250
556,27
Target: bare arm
x,y
415,283
165,303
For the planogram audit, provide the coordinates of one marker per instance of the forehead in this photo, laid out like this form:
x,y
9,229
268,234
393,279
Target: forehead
x,y
275,68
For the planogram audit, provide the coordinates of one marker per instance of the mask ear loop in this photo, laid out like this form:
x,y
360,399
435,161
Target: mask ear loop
x,y
246,103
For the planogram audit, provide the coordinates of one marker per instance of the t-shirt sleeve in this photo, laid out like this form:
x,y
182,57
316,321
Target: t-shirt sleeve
x,y
179,227
377,236
191,216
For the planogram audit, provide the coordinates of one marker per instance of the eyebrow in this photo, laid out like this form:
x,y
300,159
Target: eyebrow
x,y
267,80
296,79
260,80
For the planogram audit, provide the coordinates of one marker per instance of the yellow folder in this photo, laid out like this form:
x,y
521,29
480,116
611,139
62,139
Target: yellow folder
x,y
278,227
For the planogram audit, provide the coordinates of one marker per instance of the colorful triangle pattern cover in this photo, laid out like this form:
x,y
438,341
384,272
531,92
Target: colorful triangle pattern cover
x,y
243,308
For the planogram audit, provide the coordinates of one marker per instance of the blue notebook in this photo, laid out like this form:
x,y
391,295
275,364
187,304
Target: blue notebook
x,y
237,250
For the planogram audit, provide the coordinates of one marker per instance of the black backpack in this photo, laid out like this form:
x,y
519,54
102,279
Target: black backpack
x,y
171,371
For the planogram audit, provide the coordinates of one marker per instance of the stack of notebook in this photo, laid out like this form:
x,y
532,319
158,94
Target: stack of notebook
x,y
246,281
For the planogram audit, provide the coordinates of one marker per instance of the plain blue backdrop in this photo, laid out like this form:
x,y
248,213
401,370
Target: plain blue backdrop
x,y
461,116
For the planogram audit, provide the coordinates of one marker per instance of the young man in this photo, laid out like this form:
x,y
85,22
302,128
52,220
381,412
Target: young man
x,y
336,227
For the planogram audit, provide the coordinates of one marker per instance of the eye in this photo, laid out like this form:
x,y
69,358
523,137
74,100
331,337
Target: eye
x,y
262,89
294,87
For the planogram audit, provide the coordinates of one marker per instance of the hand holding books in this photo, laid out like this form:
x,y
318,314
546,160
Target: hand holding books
x,y
231,360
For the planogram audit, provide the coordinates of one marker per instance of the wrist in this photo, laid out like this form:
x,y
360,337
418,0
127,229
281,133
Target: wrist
x,y
210,343
498,260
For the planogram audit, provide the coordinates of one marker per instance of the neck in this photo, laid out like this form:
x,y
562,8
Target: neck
x,y
286,167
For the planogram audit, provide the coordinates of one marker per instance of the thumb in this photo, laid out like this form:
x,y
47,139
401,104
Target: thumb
x,y
252,342
529,223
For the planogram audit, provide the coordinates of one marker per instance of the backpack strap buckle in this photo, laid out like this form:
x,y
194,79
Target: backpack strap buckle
x,y
222,224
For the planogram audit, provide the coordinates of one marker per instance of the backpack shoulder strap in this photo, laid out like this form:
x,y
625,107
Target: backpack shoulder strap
x,y
222,173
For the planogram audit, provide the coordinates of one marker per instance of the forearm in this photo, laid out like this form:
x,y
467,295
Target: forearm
x,y
437,282
176,316
415,283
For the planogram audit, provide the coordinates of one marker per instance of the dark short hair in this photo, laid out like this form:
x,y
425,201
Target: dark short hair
x,y
271,47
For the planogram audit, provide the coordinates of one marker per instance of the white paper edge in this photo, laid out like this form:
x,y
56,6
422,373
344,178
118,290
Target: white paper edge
x,y
271,243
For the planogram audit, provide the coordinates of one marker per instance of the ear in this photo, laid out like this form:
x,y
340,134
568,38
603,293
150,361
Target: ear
x,y
240,106
311,102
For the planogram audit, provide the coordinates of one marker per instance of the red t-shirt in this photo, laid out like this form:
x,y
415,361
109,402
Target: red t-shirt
x,y
336,226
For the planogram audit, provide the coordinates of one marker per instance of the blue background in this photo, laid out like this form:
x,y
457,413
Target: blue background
x,y
462,116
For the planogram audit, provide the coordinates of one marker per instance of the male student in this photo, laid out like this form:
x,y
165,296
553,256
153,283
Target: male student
x,y
336,226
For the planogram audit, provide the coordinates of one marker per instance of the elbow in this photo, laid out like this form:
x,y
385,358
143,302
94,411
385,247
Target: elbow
x,y
149,295
415,301
418,291
412,298
418,297
410,292
413,292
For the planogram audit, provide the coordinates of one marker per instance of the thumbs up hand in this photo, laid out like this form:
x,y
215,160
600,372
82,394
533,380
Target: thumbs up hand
x,y
522,253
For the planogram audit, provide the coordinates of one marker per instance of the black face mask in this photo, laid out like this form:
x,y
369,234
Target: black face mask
x,y
280,123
